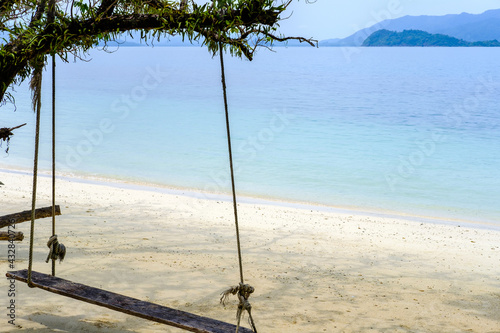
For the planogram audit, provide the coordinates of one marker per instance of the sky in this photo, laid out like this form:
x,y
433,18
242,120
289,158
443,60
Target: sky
x,y
325,19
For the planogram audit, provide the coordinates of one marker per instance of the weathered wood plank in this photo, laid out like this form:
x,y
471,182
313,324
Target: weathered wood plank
x,y
128,305
15,236
40,213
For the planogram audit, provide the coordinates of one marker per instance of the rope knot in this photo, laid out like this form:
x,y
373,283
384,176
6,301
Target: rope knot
x,y
57,250
244,291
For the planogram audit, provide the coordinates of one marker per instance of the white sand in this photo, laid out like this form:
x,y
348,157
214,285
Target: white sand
x,y
314,271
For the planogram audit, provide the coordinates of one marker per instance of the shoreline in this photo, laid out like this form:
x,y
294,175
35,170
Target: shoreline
x,y
278,202
342,272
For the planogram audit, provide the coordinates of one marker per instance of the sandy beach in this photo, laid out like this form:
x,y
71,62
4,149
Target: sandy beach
x,y
314,270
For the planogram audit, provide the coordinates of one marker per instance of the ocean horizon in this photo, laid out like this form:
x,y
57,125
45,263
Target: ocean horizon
x,y
406,131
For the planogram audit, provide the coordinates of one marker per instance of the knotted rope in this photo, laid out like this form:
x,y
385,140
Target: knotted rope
x,y
54,151
244,291
57,250
35,177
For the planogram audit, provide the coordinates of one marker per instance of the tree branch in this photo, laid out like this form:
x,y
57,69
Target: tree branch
x,y
107,7
60,37
309,41
6,133
6,6
241,26
40,9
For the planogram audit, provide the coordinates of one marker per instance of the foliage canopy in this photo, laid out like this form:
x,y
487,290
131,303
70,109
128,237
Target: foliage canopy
x,y
33,29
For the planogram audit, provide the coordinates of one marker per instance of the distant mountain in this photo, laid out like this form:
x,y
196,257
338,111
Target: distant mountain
x,y
420,38
469,27
330,42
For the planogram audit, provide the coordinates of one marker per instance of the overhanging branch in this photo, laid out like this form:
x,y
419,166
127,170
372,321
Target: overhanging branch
x,y
6,133
240,27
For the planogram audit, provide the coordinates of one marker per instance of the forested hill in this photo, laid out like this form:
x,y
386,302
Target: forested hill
x,y
469,27
420,38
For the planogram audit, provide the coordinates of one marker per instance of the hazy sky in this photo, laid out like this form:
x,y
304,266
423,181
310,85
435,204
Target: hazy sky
x,y
324,19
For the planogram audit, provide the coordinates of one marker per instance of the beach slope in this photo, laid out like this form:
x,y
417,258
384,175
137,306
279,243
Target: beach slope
x,y
314,270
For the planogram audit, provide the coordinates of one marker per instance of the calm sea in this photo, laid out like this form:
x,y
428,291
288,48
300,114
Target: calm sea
x,y
408,130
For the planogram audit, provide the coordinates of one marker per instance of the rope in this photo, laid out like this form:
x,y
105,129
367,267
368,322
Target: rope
x,y
57,250
235,205
33,197
243,290
54,164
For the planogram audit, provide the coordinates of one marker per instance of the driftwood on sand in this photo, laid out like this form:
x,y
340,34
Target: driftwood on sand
x,y
40,213
11,236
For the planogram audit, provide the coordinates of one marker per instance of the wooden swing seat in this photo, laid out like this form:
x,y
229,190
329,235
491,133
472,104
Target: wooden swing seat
x,y
125,304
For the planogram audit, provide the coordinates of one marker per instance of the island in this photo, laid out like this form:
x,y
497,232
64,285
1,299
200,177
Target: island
x,y
421,38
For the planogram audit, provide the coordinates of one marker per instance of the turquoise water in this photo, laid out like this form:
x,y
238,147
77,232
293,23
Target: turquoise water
x,y
407,130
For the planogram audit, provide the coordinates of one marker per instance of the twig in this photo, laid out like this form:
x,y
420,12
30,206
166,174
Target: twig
x,y
6,133
13,128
